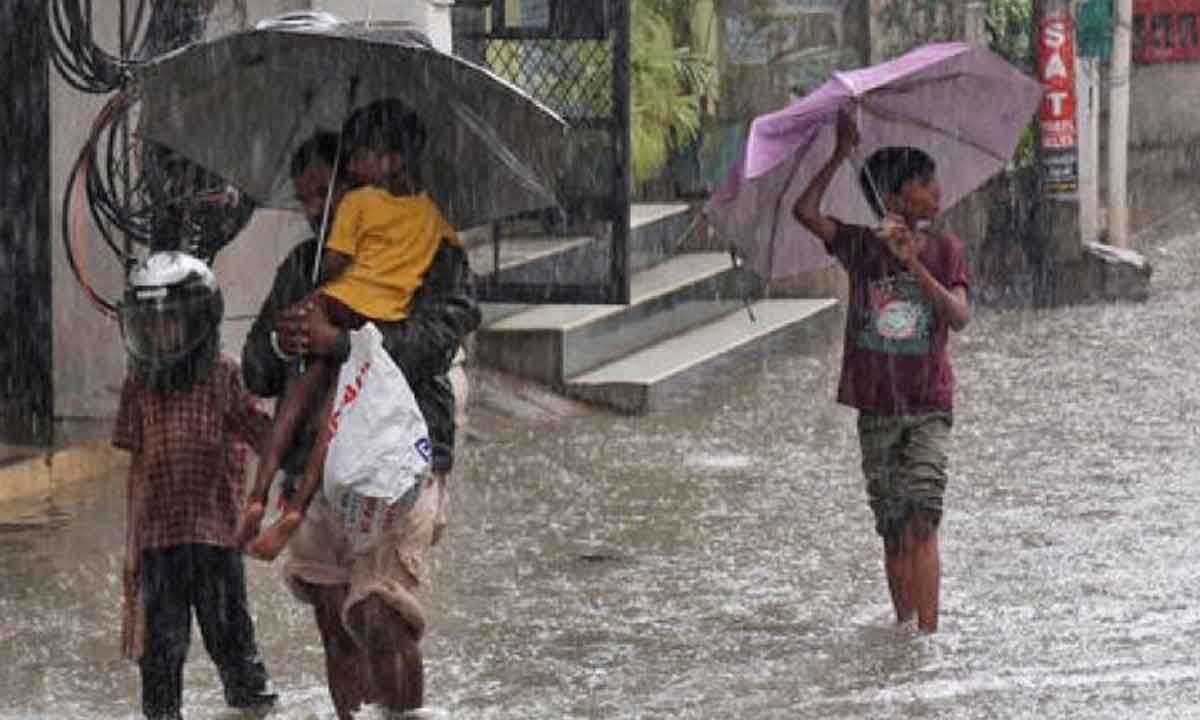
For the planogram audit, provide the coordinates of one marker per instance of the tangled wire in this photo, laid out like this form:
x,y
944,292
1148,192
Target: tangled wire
x,y
138,193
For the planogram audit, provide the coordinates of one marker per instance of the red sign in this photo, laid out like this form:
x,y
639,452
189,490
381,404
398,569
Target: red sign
x,y
1166,30
1056,70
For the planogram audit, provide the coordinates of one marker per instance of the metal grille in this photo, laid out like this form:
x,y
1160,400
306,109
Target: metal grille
x,y
575,60
574,77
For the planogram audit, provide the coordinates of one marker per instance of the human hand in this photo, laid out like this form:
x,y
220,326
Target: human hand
x,y
249,523
901,241
305,329
847,134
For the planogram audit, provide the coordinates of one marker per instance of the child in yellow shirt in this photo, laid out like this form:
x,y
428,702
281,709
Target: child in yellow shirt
x,y
384,237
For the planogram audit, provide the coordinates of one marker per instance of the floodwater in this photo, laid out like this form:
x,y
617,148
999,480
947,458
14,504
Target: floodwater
x,y
719,561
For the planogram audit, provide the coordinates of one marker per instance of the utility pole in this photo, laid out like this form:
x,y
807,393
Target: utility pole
x,y
1058,137
1087,84
1118,125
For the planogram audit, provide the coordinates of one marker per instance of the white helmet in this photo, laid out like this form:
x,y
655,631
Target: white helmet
x,y
170,318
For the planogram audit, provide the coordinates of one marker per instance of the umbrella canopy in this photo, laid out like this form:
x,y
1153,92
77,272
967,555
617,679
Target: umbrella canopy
x,y
964,105
240,106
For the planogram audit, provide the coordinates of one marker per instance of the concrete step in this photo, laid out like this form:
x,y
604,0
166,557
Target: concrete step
x,y
531,257
548,343
645,380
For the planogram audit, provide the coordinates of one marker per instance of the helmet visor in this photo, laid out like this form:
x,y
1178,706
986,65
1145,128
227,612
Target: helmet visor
x,y
162,327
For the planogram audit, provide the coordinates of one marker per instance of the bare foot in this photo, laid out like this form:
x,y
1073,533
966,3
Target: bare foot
x,y
249,523
271,541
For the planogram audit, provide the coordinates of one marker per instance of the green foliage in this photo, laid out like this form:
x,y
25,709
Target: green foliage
x,y
909,23
669,81
1010,30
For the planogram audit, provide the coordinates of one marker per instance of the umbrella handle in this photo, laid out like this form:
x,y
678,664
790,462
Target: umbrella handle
x,y
866,172
859,162
333,178
733,257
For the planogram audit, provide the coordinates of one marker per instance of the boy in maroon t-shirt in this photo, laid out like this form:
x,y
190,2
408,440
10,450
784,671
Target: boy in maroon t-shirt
x,y
908,290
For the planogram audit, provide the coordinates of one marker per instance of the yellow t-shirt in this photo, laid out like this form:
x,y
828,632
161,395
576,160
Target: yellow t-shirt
x,y
391,240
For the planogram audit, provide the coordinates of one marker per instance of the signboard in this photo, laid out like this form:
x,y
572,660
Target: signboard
x,y
1094,30
1056,116
1166,30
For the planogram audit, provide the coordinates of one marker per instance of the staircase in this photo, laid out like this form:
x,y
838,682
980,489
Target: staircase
x,y
686,312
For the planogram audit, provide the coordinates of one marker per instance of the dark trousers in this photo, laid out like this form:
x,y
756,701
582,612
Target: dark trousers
x,y
212,580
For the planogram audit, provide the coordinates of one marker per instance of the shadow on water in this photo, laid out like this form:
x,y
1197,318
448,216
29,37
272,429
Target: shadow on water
x,y
717,560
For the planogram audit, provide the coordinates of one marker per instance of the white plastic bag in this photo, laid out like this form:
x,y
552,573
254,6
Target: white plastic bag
x,y
380,446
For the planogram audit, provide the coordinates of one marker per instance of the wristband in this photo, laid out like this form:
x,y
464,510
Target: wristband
x,y
279,353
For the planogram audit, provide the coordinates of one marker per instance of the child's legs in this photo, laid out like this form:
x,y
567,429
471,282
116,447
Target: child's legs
x,y
314,465
289,417
879,438
924,460
924,570
904,461
342,316
166,593
317,389
271,541
219,596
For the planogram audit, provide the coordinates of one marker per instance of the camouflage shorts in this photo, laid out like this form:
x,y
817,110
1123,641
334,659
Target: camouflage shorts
x,y
904,463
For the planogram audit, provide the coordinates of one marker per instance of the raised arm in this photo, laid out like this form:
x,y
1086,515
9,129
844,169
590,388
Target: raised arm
x,y
807,209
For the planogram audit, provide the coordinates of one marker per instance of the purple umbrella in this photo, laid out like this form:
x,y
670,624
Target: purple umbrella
x,y
964,105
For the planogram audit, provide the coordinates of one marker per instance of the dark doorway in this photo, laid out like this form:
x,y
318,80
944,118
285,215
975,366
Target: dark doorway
x,y
26,400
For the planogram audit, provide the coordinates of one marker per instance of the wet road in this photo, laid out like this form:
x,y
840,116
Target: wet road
x,y
720,562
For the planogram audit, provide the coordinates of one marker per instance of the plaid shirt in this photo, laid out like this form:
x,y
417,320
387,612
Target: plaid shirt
x,y
187,477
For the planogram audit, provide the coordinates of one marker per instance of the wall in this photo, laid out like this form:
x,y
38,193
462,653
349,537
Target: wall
x,y
88,358
898,25
1164,141
774,50
431,15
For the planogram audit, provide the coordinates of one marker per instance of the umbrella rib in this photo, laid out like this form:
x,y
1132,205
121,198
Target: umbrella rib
x,y
778,205
933,128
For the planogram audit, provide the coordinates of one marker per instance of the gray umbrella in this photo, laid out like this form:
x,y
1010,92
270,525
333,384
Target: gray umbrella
x,y
240,105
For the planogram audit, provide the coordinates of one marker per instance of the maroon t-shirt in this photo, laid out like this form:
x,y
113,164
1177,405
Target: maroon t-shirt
x,y
895,360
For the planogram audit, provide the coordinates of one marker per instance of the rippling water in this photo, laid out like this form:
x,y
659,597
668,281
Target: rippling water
x,y
720,562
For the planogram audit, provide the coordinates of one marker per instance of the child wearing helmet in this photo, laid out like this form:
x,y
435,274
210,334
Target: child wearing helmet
x,y
186,419
384,237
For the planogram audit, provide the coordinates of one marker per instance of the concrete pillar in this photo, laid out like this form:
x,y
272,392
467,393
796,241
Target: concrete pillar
x,y
1118,125
1087,84
876,33
431,16
974,22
